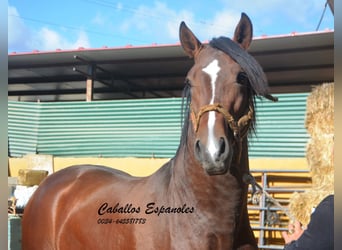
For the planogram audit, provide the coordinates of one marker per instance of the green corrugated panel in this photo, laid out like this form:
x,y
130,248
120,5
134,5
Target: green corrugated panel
x,y
141,128
23,122
14,232
280,127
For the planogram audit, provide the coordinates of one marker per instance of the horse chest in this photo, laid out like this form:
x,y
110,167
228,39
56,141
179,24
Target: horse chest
x,y
209,227
207,240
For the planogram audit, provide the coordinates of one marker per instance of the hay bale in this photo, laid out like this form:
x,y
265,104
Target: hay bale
x,y
302,205
320,148
320,110
324,182
320,154
29,177
320,158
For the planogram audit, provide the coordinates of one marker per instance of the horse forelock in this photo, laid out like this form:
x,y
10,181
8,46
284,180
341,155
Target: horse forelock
x,y
255,73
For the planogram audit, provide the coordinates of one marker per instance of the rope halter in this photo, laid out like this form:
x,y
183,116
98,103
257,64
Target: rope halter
x,y
239,127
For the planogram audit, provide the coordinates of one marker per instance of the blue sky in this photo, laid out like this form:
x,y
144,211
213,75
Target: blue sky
x,y
51,25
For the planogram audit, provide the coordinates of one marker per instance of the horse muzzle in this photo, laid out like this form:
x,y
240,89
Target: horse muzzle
x,y
216,158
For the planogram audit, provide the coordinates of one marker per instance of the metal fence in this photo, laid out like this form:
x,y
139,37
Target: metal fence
x,y
267,219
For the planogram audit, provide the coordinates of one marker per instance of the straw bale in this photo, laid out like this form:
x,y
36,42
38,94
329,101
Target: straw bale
x,y
30,177
320,110
324,182
320,158
302,205
321,98
320,154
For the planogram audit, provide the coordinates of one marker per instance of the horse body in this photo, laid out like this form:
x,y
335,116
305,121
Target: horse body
x,y
198,200
73,220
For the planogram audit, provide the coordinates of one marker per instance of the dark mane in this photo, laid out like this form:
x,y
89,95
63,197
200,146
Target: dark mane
x,y
185,111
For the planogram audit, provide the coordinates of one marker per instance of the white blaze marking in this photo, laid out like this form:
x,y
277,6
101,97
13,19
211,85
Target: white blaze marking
x,y
212,69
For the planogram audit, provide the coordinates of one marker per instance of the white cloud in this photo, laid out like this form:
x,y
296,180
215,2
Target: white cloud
x,y
222,24
22,38
161,23
18,32
82,41
119,6
173,24
158,21
48,39
279,16
98,19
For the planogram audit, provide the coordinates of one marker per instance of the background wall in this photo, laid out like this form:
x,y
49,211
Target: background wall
x,y
142,128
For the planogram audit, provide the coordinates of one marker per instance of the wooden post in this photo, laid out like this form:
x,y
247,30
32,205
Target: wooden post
x,y
90,83
90,88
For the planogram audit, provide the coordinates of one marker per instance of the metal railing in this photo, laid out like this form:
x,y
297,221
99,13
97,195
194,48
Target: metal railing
x,y
268,219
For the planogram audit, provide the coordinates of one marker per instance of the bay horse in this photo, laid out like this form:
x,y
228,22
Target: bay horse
x,y
197,200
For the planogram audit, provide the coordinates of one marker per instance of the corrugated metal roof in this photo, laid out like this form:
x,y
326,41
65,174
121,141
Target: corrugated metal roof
x,y
292,64
141,128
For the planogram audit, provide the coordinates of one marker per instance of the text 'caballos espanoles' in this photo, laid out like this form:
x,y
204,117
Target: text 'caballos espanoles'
x,y
150,209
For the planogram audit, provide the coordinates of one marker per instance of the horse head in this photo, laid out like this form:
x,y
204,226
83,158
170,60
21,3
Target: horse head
x,y
223,81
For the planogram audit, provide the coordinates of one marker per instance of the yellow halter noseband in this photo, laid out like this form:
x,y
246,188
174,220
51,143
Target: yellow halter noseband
x,y
239,128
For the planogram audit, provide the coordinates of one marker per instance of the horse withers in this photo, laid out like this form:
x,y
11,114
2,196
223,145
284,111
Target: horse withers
x,y
197,200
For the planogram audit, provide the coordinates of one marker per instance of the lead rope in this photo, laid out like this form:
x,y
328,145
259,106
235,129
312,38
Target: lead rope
x,y
249,179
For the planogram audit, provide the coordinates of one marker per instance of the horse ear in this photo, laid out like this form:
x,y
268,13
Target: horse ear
x,y
191,45
244,32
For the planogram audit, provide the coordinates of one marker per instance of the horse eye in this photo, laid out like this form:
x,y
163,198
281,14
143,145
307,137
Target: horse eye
x,y
242,78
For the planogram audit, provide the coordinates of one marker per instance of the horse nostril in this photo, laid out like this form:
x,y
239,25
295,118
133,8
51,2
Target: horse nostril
x,y
222,146
198,146
222,149
198,149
